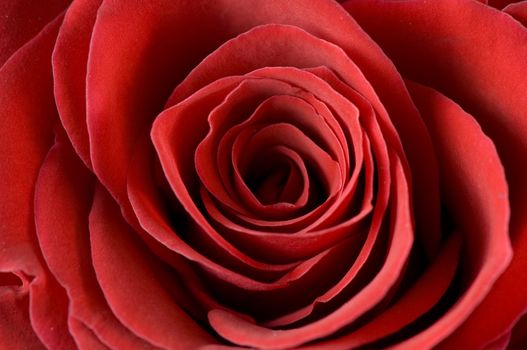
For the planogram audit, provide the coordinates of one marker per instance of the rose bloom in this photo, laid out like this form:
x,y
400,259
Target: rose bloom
x,y
270,174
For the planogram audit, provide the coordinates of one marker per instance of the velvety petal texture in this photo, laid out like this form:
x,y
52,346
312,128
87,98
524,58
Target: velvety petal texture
x,y
264,174
28,115
22,20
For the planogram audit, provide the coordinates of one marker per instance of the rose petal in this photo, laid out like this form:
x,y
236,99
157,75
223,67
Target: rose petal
x,y
284,187
27,106
154,70
22,20
302,285
492,92
84,337
363,263
48,311
347,112
232,106
500,343
301,244
125,97
241,332
499,4
63,198
518,11
149,209
242,99
285,134
519,334
155,219
285,247
134,283
70,57
476,195
248,53
421,297
28,113
15,323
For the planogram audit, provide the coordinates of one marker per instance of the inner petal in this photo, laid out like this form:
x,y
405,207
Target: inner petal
x,y
278,176
326,169
271,101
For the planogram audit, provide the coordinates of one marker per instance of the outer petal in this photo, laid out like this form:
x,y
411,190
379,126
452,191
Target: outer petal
x,y
137,287
426,41
70,58
476,197
21,20
48,310
84,337
63,198
14,323
26,133
27,113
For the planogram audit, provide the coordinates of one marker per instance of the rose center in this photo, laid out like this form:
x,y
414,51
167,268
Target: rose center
x,y
273,178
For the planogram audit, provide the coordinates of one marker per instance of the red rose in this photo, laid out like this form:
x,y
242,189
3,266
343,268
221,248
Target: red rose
x,y
271,174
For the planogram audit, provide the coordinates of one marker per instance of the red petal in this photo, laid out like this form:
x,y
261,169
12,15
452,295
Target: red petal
x,y
160,53
489,83
28,115
421,297
519,334
26,134
22,20
518,11
154,217
63,199
212,159
84,337
499,4
48,310
309,51
15,325
284,134
471,172
286,245
241,332
500,344
70,57
135,285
